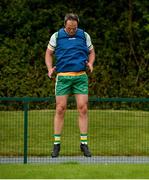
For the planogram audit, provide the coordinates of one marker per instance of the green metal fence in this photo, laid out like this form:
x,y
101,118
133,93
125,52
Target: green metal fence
x,y
118,130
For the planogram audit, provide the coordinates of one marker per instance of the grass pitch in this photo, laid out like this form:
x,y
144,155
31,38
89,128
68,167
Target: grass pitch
x,y
75,171
111,132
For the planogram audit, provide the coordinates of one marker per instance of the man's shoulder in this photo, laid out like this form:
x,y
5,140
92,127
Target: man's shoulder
x,y
55,34
80,30
60,30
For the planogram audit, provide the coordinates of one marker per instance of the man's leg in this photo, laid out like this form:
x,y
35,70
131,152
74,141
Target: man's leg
x,y
82,103
61,104
82,106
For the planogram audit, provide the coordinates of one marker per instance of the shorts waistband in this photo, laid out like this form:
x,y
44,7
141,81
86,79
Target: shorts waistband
x,y
71,73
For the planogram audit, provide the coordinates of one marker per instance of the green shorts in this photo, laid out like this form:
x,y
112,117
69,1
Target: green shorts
x,y
66,85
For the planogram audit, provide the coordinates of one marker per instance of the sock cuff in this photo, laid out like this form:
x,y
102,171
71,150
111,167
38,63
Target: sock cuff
x,y
57,138
83,134
56,135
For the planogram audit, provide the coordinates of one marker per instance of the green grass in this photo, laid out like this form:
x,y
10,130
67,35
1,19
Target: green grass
x,y
75,171
111,132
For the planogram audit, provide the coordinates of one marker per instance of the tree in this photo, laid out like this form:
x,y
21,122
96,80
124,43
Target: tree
x,y
119,30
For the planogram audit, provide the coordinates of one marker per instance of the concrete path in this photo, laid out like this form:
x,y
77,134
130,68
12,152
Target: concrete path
x,y
78,159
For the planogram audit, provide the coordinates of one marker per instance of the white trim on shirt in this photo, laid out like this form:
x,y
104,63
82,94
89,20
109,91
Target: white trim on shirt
x,y
53,41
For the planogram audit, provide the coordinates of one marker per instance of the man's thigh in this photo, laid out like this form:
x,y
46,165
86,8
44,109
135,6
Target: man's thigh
x,y
61,101
63,85
80,84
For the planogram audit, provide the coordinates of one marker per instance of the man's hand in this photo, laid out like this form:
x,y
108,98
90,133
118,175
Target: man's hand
x,y
90,66
50,71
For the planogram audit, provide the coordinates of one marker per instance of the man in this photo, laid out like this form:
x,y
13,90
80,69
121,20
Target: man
x,y
73,51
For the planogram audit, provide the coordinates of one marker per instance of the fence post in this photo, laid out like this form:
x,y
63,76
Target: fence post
x,y
25,105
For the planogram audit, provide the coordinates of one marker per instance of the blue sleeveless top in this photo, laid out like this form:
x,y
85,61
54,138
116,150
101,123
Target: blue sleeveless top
x,y
71,51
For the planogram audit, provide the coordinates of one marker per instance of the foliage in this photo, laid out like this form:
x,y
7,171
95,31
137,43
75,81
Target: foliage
x,y
119,30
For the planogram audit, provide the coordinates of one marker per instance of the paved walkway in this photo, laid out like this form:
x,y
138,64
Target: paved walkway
x,y
79,159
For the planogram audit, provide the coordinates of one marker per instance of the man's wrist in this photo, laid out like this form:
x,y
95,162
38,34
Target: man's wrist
x,y
49,68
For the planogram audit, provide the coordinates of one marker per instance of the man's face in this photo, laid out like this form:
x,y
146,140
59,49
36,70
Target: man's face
x,y
71,27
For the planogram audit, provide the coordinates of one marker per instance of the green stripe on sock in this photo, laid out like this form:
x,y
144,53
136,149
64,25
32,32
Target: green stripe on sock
x,y
57,138
83,134
83,138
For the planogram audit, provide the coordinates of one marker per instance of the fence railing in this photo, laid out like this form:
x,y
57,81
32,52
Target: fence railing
x,y
118,127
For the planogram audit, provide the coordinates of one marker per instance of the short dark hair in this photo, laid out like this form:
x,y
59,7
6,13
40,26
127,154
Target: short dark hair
x,y
71,16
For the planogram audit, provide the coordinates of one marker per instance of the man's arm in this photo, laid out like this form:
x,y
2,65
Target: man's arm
x,y
91,59
49,61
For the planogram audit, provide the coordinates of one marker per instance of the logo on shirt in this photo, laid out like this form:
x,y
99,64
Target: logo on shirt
x,y
71,38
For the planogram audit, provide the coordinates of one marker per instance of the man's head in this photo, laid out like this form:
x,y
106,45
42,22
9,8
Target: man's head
x,y
71,23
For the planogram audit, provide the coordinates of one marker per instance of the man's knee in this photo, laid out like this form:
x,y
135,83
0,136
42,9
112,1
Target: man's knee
x,y
60,109
83,109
